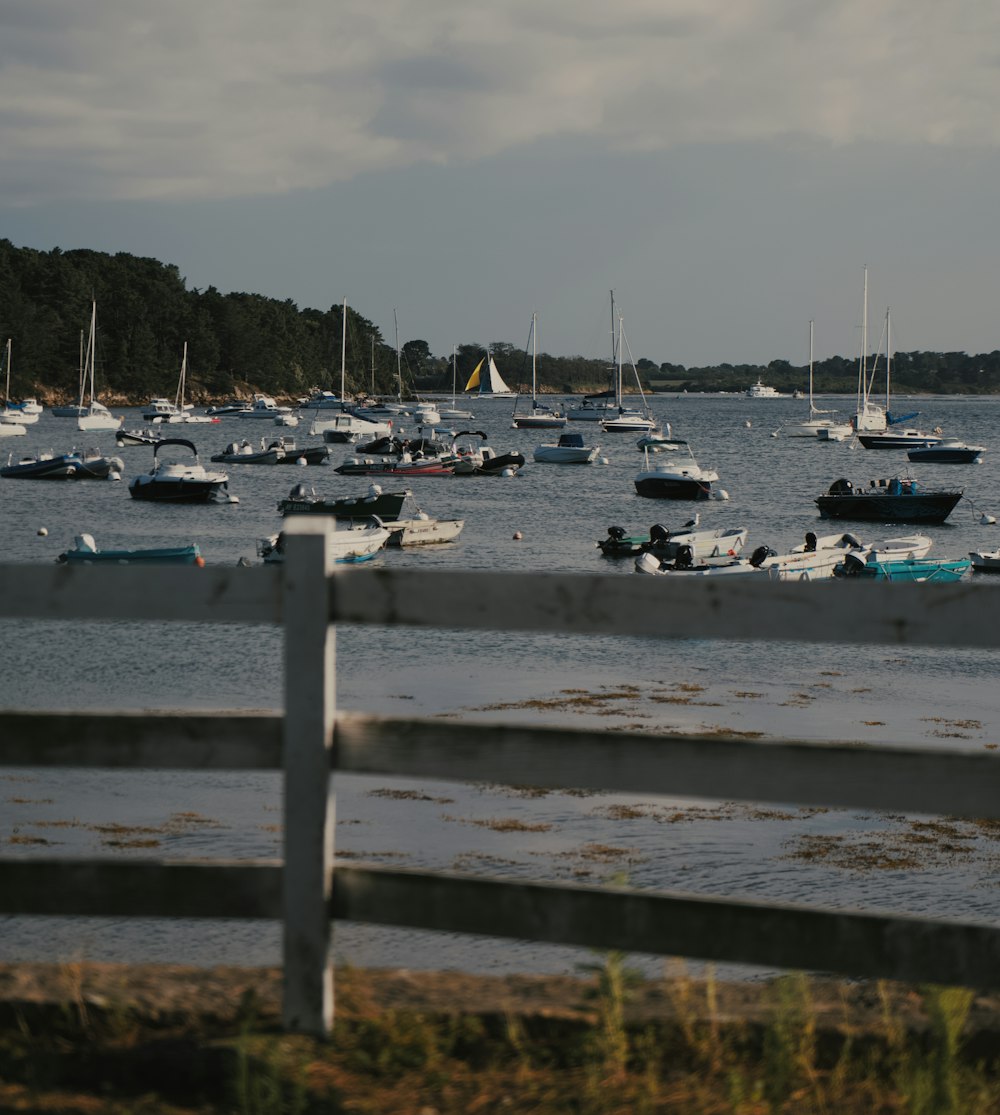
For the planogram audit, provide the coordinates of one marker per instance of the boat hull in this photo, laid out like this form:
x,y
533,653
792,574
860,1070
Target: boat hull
x,y
423,532
880,507
565,455
385,506
179,490
665,486
175,555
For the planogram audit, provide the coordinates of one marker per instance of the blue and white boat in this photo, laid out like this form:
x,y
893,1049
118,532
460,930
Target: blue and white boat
x,y
904,569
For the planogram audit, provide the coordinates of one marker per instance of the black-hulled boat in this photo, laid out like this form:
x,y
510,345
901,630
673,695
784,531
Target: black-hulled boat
x,y
887,501
385,505
173,481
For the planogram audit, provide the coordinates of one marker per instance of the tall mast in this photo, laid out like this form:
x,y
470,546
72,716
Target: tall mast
x,y
6,398
399,368
373,365
811,408
534,355
888,360
343,354
863,367
618,398
454,372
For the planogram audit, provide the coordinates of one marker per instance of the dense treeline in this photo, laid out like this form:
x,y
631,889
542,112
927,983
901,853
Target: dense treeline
x,y
241,342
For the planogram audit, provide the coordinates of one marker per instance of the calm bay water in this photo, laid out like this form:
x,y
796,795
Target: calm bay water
x,y
560,511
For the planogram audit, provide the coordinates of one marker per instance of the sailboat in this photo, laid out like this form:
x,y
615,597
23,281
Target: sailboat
x,y
182,409
626,421
96,415
869,417
488,383
77,409
347,426
814,424
454,412
898,436
541,416
12,422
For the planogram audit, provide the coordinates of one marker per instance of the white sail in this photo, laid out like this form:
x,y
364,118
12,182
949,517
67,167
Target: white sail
x,y
495,384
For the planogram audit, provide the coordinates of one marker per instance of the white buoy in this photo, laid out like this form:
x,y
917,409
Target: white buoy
x,y
301,461
42,532
517,536
748,423
604,460
507,472
986,520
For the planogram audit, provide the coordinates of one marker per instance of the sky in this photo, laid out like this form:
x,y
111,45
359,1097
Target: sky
x,y
728,168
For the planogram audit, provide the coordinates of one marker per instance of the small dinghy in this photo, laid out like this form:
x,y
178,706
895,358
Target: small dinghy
x,y
85,552
351,542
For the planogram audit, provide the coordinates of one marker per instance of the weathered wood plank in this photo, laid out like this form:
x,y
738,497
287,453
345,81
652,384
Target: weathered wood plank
x,y
310,707
143,888
671,924
155,740
901,779
214,594
821,611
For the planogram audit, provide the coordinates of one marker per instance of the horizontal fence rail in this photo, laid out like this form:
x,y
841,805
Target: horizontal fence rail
x,y
840,775
308,741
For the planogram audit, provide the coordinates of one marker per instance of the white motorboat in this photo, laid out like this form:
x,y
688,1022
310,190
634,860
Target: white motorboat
x,y
985,561
348,543
679,477
569,450
760,390
815,559
161,410
594,408
263,406
180,481
422,530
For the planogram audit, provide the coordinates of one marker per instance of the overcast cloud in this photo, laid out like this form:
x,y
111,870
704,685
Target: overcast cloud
x,y
191,100
728,167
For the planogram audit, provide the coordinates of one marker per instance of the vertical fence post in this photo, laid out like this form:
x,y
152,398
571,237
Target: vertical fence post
x,y
310,699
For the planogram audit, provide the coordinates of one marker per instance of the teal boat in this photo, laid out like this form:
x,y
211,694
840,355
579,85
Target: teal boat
x,y
942,570
85,552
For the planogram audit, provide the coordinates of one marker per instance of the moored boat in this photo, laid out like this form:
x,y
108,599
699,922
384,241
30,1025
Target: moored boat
x,y
90,464
678,478
568,450
948,451
985,561
351,542
922,569
85,552
180,481
374,504
896,500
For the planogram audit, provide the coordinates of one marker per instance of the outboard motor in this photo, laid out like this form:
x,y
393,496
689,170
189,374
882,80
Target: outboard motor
x,y
647,563
300,491
853,565
841,487
810,542
658,533
685,558
760,555
616,533
851,542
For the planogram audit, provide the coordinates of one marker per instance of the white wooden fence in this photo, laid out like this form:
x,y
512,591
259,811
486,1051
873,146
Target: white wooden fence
x,y
310,740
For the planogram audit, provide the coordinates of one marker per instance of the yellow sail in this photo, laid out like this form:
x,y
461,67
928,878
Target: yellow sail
x,y
474,378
